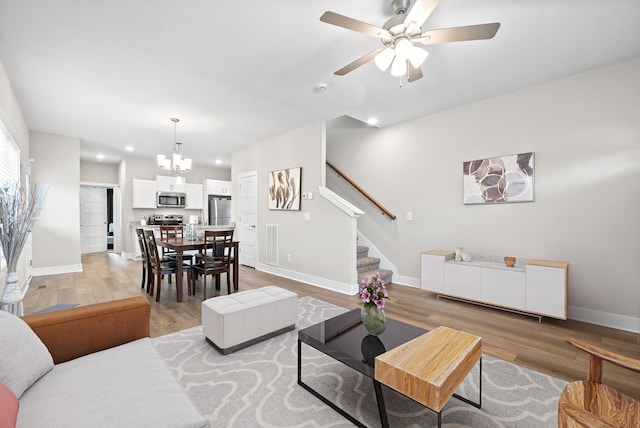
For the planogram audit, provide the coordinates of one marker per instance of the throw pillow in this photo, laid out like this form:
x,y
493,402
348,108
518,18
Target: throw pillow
x,y
8,407
23,356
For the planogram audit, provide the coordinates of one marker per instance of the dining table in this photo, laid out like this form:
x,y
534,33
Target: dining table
x,y
180,245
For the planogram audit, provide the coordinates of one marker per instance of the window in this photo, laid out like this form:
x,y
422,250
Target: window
x,y
9,165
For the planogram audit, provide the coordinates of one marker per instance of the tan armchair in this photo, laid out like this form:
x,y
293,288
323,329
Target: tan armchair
x,y
590,403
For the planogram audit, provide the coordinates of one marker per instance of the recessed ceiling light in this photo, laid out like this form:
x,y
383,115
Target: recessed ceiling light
x,y
100,156
218,161
129,148
372,121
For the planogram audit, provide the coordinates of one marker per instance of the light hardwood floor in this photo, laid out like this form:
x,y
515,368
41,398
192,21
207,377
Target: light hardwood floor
x,y
511,337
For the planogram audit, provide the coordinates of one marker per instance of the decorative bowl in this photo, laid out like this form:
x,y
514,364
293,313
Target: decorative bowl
x,y
509,261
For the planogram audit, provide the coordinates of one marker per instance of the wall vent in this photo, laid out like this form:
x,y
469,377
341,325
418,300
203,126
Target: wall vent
x,y
272,245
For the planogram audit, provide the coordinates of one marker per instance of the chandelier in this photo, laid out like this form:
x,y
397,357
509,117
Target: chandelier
x,y
175,162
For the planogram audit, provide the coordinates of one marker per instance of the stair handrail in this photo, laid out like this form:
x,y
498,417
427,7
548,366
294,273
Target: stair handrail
x,y
362,192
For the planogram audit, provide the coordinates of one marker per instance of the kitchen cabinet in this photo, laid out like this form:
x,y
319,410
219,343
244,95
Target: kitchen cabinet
x,y
195,198
143,193
537,287
218,187
168,183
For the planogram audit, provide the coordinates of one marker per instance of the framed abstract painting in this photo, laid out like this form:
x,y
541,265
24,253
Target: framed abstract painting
x,y
499,180
284,189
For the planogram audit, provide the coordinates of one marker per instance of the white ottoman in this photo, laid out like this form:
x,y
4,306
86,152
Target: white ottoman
x,y
238,320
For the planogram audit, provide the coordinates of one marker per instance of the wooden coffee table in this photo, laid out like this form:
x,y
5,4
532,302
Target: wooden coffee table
x,y
429,368
436,361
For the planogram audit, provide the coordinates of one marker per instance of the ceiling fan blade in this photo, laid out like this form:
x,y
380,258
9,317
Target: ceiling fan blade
x,y
354,25
413,73
420,12
357,63
458,34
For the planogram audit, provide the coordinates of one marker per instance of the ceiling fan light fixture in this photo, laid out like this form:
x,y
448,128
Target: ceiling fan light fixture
x,y
418,56
403,48
399,67
384,59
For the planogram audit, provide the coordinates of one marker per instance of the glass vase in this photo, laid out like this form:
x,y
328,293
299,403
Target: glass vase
x,y
373,318
11,292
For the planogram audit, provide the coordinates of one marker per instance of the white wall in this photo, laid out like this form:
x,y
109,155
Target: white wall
x,y
321,248
585,132
56,235
12,117
98,172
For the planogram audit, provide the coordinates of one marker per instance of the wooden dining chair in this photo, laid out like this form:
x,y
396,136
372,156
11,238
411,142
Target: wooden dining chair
x,y
159,268
173,232
214,259
590,403
146,273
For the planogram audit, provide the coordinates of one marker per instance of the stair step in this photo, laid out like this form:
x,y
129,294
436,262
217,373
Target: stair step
x,y
362,251
385,275
367,264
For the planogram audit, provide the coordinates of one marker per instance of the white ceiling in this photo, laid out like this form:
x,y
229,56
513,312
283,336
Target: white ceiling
x,y
113,73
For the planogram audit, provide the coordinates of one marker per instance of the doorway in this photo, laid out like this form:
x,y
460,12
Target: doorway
x,y
248,218
97,226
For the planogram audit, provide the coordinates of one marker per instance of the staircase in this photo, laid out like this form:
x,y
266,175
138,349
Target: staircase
x,y
370,266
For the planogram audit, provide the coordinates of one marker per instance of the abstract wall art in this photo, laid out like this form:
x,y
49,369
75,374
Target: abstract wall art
x,y
499,180
284,189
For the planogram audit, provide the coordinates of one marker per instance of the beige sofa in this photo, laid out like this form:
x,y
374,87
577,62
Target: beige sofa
x,y
91,366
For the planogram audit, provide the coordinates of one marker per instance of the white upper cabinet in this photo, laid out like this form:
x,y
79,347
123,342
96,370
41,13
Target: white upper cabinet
x,y
218,187
194,196
168,183
144,193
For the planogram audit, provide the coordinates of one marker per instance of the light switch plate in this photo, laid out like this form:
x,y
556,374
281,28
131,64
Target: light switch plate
x,y
307,216
310,195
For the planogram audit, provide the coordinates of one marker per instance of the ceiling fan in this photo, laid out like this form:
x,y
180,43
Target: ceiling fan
x,y
399,35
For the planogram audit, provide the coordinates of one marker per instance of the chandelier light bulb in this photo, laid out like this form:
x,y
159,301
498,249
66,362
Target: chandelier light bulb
x,y
383,59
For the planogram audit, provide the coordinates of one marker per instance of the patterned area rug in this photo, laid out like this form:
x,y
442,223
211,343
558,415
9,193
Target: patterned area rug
x,y
257,386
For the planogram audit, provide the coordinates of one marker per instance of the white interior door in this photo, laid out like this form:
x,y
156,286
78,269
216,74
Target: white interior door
x,y
247,227
93,219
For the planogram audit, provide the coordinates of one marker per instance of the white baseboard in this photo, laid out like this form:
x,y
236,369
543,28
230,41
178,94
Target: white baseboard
x,y
340,287
406,280
55,270
606,319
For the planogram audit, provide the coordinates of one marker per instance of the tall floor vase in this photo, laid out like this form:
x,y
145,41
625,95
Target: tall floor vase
x,y
11,298
11,292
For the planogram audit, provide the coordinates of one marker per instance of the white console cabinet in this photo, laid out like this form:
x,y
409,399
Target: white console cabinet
x,y
537,287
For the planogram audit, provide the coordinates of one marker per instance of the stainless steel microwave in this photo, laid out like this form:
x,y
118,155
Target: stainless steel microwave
x,y
171,200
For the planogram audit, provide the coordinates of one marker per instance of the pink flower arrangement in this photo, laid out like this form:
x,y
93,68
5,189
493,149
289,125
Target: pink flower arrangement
x,y
373,291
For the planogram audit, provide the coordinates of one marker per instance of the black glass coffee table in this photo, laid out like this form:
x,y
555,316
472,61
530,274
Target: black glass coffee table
x,y
345,339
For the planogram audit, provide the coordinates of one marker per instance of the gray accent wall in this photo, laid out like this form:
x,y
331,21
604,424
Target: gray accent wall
x,y
585,132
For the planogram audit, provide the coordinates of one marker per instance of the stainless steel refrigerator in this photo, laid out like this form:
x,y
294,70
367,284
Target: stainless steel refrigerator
x,y
219,210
